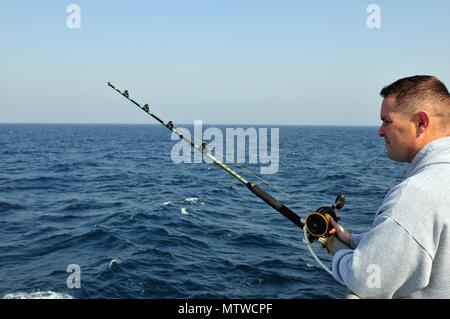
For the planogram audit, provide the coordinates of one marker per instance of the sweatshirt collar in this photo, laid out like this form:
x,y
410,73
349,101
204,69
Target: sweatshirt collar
x,y
429,154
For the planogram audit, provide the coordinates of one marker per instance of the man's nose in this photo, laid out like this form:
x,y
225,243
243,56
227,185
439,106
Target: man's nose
x,y
381,131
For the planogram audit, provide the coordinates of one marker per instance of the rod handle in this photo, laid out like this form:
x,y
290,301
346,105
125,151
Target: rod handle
x,y
277,205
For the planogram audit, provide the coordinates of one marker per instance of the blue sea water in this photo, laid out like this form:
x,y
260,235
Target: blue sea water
x,y
109,199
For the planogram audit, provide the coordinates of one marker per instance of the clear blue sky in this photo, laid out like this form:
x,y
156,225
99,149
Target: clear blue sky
x,y
255,62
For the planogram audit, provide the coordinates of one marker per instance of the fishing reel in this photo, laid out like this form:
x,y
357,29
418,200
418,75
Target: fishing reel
x,y
318,223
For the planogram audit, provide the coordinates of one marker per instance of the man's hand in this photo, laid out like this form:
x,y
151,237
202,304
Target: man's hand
x,y
332,244
341,233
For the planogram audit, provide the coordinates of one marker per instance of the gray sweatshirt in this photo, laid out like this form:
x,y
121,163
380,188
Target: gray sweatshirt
x,y
406,254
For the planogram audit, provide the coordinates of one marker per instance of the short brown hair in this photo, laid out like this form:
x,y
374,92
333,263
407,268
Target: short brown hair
x,y
419,89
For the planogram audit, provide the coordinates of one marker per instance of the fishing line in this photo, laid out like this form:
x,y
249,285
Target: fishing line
x,y
232,162
317,224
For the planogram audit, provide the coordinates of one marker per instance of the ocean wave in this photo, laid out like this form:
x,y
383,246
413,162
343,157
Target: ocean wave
x,y
37,295
191,200
114,263
62,168
5,206
255,240
33,183
88,205
248,282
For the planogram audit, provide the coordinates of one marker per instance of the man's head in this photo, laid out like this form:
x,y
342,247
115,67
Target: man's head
x,y
415,111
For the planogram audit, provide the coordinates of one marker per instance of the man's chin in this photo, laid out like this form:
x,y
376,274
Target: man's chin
x,y
396,158
389,154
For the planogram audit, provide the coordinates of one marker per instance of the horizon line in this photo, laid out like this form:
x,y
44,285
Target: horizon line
x,y
221,124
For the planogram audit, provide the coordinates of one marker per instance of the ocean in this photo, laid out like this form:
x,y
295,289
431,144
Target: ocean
x,y
109,200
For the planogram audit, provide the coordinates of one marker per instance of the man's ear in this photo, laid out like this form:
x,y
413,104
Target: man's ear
x,y
423,120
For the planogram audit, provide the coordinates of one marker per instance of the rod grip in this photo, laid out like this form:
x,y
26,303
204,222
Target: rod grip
x,y
277,205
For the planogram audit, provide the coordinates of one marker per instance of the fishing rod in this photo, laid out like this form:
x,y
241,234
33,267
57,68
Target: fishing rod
x,y
317,223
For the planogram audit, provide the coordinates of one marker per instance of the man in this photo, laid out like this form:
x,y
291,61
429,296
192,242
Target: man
x,y
406,254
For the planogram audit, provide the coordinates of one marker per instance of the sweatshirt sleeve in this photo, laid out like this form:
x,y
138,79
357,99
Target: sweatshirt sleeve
x,y
387,263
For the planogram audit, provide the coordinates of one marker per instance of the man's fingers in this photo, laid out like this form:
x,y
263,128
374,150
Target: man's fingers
x,y
340,231
336,225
